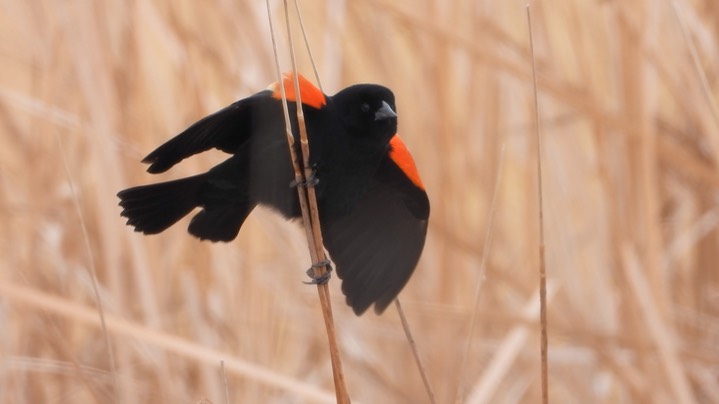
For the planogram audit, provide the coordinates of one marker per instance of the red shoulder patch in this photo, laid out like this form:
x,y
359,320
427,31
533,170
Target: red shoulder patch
x,y
310,94
402,157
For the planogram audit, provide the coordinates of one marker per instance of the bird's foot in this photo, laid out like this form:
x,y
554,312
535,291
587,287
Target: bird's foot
x,y
321,279
310,181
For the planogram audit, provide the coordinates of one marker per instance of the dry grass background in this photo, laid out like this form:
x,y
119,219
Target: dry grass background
x,y
631,145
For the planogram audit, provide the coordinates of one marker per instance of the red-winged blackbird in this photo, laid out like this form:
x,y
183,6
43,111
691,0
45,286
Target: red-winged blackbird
x,y
372,204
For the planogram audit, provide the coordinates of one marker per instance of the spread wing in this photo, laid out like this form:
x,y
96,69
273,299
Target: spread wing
x,y
377,246
225,129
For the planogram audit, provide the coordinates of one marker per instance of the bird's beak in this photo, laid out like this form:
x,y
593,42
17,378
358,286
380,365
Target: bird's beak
x,y
384,112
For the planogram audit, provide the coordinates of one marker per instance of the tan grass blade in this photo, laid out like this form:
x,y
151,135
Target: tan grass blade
x,y
38,300
92,269
506,353
658,329
415,352
543,345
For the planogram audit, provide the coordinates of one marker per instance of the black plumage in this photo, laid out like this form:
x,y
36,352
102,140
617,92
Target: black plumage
x,y
373,207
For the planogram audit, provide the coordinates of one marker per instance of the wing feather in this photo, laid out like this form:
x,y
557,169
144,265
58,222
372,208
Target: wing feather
x,y
377,246
225,130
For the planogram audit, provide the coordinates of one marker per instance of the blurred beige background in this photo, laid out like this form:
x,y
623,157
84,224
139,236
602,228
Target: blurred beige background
x,y
630,149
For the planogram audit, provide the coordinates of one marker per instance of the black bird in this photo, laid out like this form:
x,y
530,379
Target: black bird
x,y
372,203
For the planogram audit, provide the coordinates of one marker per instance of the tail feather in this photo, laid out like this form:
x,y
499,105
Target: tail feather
x,y
151,209
222,193
220,223
225,201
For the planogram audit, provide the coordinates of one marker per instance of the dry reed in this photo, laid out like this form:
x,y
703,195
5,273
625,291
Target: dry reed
x,y
630,143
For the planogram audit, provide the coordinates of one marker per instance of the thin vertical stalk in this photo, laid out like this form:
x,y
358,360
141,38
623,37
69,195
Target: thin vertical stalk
x,y
413,346
542,266
308,205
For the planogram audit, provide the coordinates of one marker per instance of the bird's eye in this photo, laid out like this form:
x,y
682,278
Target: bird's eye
x,y
365,107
